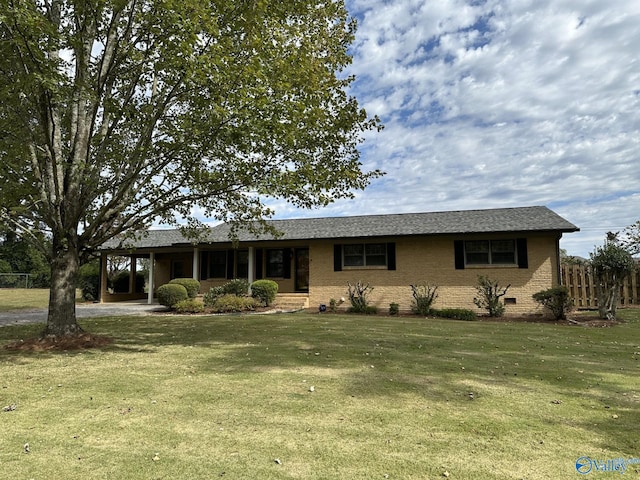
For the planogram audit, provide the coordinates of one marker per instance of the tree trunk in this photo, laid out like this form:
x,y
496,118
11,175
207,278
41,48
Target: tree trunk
x,y
607,298
61,320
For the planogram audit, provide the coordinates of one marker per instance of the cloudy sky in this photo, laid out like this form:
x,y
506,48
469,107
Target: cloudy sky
x,y
501,103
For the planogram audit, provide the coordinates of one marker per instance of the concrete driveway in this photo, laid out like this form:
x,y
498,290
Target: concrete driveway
x,y
83,310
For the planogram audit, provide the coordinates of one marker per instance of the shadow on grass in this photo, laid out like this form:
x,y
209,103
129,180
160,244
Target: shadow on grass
x,y
460,363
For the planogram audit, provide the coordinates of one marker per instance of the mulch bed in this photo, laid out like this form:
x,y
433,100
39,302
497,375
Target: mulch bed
x,y
80,341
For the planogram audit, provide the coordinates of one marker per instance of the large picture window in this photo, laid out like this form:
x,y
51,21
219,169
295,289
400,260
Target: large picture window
x,y
218,264
275,263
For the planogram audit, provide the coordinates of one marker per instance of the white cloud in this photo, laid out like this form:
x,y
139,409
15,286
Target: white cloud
x,y
495,103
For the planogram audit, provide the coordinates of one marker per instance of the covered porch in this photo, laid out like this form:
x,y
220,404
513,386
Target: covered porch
x,y
212,265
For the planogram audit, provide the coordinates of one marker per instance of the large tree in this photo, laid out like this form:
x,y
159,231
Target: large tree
x,y
118,113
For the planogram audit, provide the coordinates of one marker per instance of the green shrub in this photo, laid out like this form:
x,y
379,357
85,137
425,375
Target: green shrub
x,y
210,297
489,293
333,305
394,309
171,293
265,291
556,299
358,294
237,286
190,305
230,303
423,297
89,281
191,284
455,313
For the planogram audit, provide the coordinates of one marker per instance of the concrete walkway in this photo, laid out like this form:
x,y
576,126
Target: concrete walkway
x,y
83,310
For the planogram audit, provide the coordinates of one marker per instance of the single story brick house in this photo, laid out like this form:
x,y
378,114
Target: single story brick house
x,y
315,258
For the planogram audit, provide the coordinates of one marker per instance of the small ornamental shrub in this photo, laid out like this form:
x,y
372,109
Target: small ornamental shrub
x,y
333,305
265,291
120,283
191,284
556,299
237,286
455,313
358,294
171,293
489,293
190,305
394,309
210,297
423,297
232,303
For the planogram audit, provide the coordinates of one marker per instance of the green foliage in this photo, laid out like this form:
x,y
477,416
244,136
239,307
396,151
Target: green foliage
x,y
190,305
423,297
120,283
183,104
18,256
210,297
610,264
89,280
358,294
455,313
237,286
230,303
333,305
394,309
489,293
556,299
265,291
170,294
191,284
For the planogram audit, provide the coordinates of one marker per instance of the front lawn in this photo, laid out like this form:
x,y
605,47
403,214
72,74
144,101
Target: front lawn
x,y
309,396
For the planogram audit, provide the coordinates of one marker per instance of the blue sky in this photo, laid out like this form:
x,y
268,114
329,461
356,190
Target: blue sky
x,y
494,103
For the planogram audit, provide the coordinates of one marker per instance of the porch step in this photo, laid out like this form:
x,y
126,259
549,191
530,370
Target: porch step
x,y
291,301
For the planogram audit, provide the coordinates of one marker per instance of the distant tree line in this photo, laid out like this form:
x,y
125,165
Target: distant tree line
x,y
18,256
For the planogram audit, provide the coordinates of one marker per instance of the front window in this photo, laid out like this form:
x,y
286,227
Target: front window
x,y
275,263
490,252
218,264
242,264
365,255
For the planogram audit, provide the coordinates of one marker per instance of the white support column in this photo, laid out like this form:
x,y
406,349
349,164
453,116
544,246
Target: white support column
x,y
196,263
251,270
152,261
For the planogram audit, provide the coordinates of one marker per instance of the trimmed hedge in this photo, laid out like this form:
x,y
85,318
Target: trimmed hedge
x,y
265,291
171,293
190,284
190,305
556,299
232,304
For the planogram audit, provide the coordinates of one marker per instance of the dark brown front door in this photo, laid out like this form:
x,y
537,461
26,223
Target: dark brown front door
x,y
302,270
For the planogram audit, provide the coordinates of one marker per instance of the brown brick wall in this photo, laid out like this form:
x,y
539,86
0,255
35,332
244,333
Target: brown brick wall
x,y
431,260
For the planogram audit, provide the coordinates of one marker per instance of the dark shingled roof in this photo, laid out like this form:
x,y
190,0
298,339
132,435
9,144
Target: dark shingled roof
x,y
500,220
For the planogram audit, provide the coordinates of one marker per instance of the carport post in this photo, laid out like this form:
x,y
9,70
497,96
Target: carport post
x,y
152,258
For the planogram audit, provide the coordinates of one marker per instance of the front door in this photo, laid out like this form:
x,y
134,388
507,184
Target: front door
x,y
302,270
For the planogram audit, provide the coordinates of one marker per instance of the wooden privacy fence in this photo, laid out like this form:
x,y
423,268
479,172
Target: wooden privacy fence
x,y
579,280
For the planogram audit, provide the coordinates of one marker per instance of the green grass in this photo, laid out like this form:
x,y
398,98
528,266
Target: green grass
x,y
180,397
23,298
26,298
